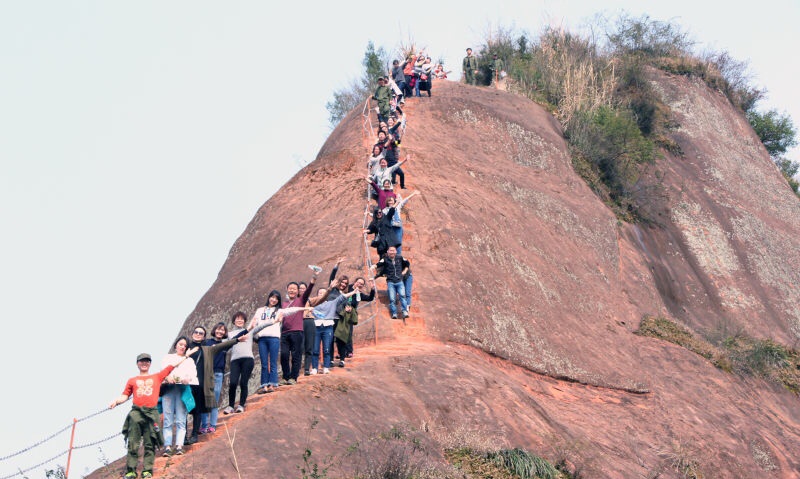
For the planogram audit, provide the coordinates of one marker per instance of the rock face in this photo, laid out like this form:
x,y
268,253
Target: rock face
x,y
527,294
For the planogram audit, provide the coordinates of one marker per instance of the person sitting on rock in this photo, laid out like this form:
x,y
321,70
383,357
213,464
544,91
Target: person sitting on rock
x,y
394,267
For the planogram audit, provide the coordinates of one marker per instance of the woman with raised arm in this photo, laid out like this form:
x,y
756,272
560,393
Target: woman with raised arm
x,y
324,316
396,219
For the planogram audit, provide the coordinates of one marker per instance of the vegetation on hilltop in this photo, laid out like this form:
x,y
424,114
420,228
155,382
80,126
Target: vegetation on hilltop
x,y
354,94
612,118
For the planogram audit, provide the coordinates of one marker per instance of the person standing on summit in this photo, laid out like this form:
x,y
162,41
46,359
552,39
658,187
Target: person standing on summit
x,y
383,95
470,68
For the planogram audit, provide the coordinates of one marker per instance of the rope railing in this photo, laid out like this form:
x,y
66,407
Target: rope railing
x,y
68,451
369,133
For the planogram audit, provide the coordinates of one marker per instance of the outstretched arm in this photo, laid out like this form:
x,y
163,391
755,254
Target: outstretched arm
x,y
403,201
336,268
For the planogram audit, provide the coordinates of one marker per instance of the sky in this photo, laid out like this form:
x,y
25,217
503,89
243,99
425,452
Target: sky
x,y
138,139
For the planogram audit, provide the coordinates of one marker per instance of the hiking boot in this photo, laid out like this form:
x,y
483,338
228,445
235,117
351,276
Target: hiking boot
x,y
179,451
239,409
167,452
291,382
147,475
228,410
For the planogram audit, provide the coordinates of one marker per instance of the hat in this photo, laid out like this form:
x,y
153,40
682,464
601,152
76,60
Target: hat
x,y
143,357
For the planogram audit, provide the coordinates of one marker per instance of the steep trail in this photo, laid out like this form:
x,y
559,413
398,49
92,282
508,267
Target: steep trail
x,y
521,270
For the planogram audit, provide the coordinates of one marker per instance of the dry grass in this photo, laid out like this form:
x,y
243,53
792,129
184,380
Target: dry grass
x,y
736,353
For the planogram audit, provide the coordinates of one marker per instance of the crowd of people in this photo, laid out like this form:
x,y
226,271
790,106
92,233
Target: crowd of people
x,y
299,329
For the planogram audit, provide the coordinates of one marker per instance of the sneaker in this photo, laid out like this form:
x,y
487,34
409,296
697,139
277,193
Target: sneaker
x,y
167,452
227,410
130,475
306,372
179,451
239,409
147,475
261,390
211,429
283,382
349,355
326,371
312,372
405,314
316,269
190,440
341,364
203,430
292,382
394,316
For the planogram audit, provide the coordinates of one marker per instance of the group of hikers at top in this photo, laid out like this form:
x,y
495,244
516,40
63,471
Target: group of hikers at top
x,y
294,326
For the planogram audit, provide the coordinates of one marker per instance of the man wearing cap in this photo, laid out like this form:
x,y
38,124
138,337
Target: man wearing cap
x,y
141,422
470,68
383,95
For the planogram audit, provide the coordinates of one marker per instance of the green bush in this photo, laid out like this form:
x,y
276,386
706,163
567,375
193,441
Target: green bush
x,y
347,98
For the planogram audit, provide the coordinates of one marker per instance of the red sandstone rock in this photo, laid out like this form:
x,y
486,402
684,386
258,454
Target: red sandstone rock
x,y
528,290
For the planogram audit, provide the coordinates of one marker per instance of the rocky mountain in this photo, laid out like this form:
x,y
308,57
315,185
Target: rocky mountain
x,y
528,295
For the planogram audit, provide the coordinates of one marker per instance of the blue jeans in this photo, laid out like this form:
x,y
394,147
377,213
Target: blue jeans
x,y
268,348
398,231
214,414
408,282
395,290
174,415
324,334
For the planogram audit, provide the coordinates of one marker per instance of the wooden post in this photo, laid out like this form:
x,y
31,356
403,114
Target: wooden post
x,y
71,443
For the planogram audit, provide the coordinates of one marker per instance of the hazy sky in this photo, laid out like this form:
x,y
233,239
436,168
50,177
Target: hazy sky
x,y
137,139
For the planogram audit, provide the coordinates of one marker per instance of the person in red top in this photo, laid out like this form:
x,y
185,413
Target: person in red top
x,y
141,422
